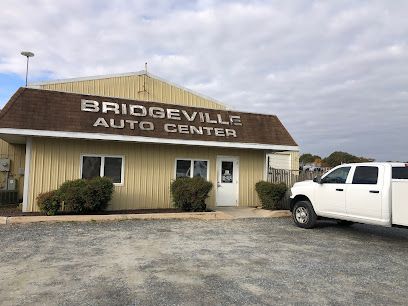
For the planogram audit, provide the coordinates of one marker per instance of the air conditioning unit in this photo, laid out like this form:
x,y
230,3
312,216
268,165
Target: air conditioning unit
x,y
4,165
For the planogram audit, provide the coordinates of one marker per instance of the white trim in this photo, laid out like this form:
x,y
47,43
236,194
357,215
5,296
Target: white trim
x,y
266,167
102,169
102,136
126,74
192,160
88,78
29,145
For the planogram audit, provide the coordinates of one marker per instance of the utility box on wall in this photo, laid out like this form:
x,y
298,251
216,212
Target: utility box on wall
x,y
12,184
4,165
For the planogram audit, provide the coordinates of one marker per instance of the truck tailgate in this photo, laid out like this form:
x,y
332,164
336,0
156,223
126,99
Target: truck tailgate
x,y
400,202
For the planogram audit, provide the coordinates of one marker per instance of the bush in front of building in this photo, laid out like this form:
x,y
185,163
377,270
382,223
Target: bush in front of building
x,y
270,194
49,202
85,196
72,193
98,193
189,194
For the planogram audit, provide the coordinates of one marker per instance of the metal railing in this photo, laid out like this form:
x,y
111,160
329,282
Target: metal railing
x,y
289,178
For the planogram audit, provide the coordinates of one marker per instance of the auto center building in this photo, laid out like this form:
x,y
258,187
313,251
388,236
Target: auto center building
x,y
142,132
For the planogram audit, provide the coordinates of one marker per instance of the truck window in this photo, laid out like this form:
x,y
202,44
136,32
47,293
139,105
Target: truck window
x,y
400,173
338,176
365,175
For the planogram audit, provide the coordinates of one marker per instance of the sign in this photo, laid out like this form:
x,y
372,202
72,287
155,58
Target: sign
x,y
200,123
45,111
226,177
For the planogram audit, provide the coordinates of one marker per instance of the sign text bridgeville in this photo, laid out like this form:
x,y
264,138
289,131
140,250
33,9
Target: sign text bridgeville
x,y
199,122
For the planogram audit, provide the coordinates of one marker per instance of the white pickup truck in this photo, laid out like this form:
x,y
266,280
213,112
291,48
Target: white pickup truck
x,y
372,193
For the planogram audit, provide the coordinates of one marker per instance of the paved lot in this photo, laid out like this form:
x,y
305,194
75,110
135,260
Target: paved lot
x,y
248,261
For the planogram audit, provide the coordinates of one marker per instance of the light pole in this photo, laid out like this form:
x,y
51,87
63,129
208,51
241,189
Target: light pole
x,y
27,54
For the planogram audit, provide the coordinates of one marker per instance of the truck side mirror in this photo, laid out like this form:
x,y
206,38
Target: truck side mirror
x,y
318,180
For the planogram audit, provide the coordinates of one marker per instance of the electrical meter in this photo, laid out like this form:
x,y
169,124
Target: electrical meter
x,y
4,165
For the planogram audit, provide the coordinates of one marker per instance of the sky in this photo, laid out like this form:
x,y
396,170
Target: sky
x,y
335,72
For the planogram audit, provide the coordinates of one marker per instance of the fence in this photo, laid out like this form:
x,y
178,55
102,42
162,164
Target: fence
x,y
290,177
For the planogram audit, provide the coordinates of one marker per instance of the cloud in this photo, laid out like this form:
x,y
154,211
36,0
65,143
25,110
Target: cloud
x,y
334,72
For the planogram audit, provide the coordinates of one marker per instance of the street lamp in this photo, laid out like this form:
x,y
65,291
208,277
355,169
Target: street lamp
x,y
27,54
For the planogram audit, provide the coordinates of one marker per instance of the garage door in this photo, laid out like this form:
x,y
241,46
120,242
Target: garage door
x,y
279,161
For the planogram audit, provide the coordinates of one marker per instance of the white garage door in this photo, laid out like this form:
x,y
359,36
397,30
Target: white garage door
x,y
279,161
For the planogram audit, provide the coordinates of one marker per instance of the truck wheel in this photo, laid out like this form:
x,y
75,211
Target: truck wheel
x,y
304,215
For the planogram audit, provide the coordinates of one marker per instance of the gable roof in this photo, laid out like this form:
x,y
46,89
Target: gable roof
x,y
34,112
45,84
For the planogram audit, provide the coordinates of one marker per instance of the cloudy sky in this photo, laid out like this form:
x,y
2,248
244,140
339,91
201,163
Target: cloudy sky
x,y
335,72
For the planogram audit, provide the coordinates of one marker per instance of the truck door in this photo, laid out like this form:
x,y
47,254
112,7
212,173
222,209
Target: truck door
x,y
400,195
330,195
364,194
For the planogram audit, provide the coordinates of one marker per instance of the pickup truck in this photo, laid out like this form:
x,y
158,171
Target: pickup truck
x,y
372,193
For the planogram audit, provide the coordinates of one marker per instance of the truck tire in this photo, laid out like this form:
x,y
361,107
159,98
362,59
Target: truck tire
x,y
304,215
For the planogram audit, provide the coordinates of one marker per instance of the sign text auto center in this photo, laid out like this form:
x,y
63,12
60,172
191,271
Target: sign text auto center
x,y
171,114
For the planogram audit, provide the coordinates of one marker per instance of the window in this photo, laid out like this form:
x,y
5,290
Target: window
x,y
113,169
338,176
400,173
108,166
365,175
227,172
91,166
183,168
191,168
200,168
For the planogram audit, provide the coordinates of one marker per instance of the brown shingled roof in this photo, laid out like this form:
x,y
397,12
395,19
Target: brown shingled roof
x,y
45,110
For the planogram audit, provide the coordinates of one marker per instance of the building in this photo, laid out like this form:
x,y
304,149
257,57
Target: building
x,y
141,131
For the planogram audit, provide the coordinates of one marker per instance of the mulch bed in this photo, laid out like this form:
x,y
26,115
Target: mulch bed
x,y
13,211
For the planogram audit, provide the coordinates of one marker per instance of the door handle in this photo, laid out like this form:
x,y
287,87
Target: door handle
x,y
339,189
374,191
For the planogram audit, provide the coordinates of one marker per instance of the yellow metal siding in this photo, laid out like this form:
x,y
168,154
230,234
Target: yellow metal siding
x,y
15,152
149,169
136,87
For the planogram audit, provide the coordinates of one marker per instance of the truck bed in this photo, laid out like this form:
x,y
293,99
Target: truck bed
x,y
400,202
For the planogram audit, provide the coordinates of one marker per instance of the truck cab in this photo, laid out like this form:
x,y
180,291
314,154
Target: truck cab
x,y
364,192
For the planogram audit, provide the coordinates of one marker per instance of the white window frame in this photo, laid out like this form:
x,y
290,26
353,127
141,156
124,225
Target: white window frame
x,y
192,160
101,174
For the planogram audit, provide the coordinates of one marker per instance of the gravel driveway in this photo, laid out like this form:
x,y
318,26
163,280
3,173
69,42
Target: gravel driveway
x,y
249,261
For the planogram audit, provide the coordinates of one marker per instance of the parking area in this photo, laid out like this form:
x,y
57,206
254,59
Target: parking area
x,y
230,262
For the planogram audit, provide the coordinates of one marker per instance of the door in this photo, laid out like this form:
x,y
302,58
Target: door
x,y
227,181
330,195
364,194
400,195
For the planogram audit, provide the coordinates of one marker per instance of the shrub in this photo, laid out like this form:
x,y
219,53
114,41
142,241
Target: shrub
x,y
189,194
98,193
49,202
83,196
270,194
73,195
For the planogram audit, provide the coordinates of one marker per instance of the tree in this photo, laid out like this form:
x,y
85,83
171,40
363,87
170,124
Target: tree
x,y
338,158
308,158
320,162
